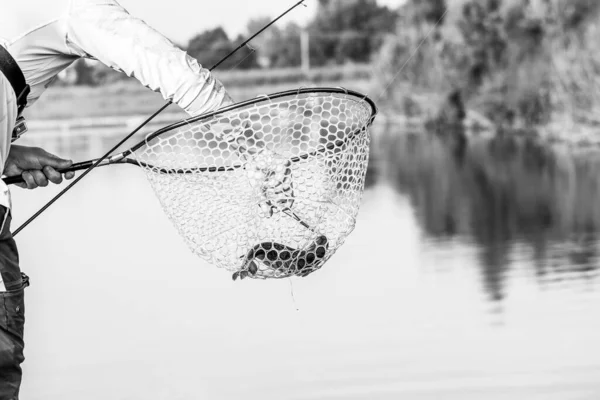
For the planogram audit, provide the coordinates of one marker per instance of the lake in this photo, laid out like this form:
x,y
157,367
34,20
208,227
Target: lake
x,y
472,273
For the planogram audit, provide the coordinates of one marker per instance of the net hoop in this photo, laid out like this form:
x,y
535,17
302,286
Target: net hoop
x,y
265,188
258,100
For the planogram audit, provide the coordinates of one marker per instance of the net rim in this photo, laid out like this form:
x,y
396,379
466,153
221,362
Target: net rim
x,y
262,99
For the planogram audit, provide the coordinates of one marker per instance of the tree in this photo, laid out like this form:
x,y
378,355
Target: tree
x,y
278,47
285,48
84,73
573,13
430,11
349,30
212,45
262,41
481,26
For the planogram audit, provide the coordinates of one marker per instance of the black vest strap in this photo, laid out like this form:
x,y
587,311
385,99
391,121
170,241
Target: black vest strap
x,y
12,72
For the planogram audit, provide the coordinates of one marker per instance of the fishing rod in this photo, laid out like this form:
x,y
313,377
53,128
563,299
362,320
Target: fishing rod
x,y
112,150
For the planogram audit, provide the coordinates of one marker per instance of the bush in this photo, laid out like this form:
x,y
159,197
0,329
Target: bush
x,y
519,63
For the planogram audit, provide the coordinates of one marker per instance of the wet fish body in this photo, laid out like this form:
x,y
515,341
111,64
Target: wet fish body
x,y
282,258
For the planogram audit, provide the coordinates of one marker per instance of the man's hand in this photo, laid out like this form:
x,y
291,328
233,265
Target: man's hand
x,y
36,166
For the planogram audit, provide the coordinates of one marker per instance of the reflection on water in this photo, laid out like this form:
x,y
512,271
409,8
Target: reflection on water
x,y
448,231
511,197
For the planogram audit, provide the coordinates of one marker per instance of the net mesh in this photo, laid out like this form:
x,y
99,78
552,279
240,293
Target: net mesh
x,y
269,189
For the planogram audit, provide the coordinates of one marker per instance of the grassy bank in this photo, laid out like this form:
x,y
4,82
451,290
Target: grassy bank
x,y
128,97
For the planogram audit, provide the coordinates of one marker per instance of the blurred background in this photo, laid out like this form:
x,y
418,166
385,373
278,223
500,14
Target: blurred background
x,y
473,271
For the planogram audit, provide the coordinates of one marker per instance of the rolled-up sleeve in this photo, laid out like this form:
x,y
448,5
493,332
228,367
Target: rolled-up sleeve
x,y
103,30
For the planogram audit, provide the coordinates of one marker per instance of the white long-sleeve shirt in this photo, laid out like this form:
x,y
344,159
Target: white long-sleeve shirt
x,y
105,31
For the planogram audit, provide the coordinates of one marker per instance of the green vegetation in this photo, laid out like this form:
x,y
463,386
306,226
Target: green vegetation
x,y
523,64
510,65
349,30
213,45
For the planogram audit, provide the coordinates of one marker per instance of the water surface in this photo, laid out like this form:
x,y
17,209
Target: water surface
x,y
472,274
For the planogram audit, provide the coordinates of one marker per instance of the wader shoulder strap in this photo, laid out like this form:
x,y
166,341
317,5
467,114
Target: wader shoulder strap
x,y
12,72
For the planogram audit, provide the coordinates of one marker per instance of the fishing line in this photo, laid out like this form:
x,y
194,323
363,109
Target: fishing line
x,y
292,294
252,51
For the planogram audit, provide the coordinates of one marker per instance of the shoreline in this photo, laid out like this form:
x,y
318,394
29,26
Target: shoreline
x,y
120,105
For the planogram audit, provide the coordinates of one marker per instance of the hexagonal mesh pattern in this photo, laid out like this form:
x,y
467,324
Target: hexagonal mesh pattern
x,y
265,190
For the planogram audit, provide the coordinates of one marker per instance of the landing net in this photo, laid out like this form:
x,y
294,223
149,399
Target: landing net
x,y
267,188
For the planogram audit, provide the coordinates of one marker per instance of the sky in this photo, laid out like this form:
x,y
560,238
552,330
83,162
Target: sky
x,y
179,20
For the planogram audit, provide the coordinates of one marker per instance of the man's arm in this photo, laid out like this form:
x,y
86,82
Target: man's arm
x,y
103,30
36,166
